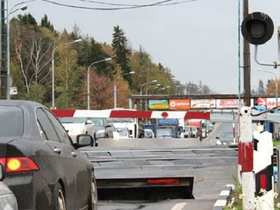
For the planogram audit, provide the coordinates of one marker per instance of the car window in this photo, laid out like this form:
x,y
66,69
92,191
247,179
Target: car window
x,y
59,128
11,121
46,126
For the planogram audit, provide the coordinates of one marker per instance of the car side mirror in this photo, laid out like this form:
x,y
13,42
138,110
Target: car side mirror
x,y
84,140
2,172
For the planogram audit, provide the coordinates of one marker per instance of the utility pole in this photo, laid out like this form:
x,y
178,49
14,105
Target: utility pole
x,y
246,61
3,53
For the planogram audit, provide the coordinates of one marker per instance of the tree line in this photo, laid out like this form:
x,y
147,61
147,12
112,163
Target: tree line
x,y
34,44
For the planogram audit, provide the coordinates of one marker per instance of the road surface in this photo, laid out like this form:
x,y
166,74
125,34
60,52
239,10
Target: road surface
x,y
211,166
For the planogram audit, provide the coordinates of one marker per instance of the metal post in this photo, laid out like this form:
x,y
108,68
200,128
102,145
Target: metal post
x,y
115,95
1,46
8,52
53,80
247,62
88,88
3,74
276,90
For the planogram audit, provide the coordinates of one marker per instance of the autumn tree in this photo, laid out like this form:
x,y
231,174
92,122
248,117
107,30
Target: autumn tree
x,y
31,55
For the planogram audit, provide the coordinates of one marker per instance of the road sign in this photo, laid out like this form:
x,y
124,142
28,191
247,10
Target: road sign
x,y
13,91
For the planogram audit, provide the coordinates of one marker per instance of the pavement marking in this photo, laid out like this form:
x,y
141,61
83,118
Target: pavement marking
x,y
220,203
179,206
225,193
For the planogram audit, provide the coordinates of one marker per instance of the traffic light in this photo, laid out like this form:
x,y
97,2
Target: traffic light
x,y
257,28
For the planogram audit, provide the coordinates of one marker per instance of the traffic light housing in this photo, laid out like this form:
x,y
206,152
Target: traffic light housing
x,y
257,28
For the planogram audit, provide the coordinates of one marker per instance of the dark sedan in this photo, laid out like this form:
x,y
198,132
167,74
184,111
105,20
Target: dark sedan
x,y
43,167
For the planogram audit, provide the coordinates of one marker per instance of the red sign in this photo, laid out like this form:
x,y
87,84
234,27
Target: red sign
x,y
226,103
179,104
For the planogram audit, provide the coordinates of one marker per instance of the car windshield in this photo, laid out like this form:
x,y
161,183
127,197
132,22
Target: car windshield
x,y
166,132
11,121
97,121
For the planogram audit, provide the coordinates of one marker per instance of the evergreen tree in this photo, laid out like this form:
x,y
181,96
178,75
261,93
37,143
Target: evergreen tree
x,y
46,23
122,52
27,19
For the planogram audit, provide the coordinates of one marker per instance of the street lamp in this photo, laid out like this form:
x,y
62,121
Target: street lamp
x,y
53,69
115,89
8,45
88,78
147,83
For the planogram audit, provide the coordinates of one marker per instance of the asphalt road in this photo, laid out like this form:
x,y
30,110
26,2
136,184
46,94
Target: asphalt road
x,y
211,166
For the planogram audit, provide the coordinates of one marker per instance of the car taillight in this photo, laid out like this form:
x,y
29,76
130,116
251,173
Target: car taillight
x,y
19,164
163,181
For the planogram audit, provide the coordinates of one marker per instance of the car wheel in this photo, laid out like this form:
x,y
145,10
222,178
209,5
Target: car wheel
x,y
59,198
93,196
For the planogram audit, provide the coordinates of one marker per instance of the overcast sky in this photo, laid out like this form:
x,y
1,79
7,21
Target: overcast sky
x,y
197,40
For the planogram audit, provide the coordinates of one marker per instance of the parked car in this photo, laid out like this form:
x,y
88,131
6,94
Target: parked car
x,y
84,125
7,198
43,167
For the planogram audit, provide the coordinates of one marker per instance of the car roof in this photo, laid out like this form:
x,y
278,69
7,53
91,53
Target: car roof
x,y
21,103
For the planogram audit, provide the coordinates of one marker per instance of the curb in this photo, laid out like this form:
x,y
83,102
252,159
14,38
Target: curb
x,y
224,197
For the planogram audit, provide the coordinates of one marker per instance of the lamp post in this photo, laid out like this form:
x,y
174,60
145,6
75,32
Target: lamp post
x,y
141,90
53,69
88,78
115,89
8,43
147,83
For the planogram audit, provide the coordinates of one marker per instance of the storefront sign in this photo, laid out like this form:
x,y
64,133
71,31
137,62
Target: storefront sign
x,y
179,104
203,103
226,103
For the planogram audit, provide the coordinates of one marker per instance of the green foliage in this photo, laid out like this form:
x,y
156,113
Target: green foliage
x,y
46,23
32,49
37,93
27,19
122,53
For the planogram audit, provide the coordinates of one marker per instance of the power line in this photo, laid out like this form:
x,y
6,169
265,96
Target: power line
x,y
117,4
159,3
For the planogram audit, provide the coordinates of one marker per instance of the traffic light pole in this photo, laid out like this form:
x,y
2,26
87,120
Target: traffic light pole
x,y
3,52
247,62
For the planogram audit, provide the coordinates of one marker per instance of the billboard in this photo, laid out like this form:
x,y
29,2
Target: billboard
x,y
158,104
227,103
267,103
203,103
179,104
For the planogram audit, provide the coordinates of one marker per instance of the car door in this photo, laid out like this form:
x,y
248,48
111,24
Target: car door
x,y
59,158
77,162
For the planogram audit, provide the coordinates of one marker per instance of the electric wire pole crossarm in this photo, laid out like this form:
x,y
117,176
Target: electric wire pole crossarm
x,y
88,77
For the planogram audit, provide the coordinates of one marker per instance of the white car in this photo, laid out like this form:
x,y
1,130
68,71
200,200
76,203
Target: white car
x,y
83,125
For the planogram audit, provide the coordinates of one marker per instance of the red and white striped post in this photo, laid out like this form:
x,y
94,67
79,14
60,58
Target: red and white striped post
x,y
245,159
263,169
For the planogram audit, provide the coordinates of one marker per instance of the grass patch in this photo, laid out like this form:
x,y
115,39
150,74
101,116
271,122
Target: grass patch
x,y
276,143
236,198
